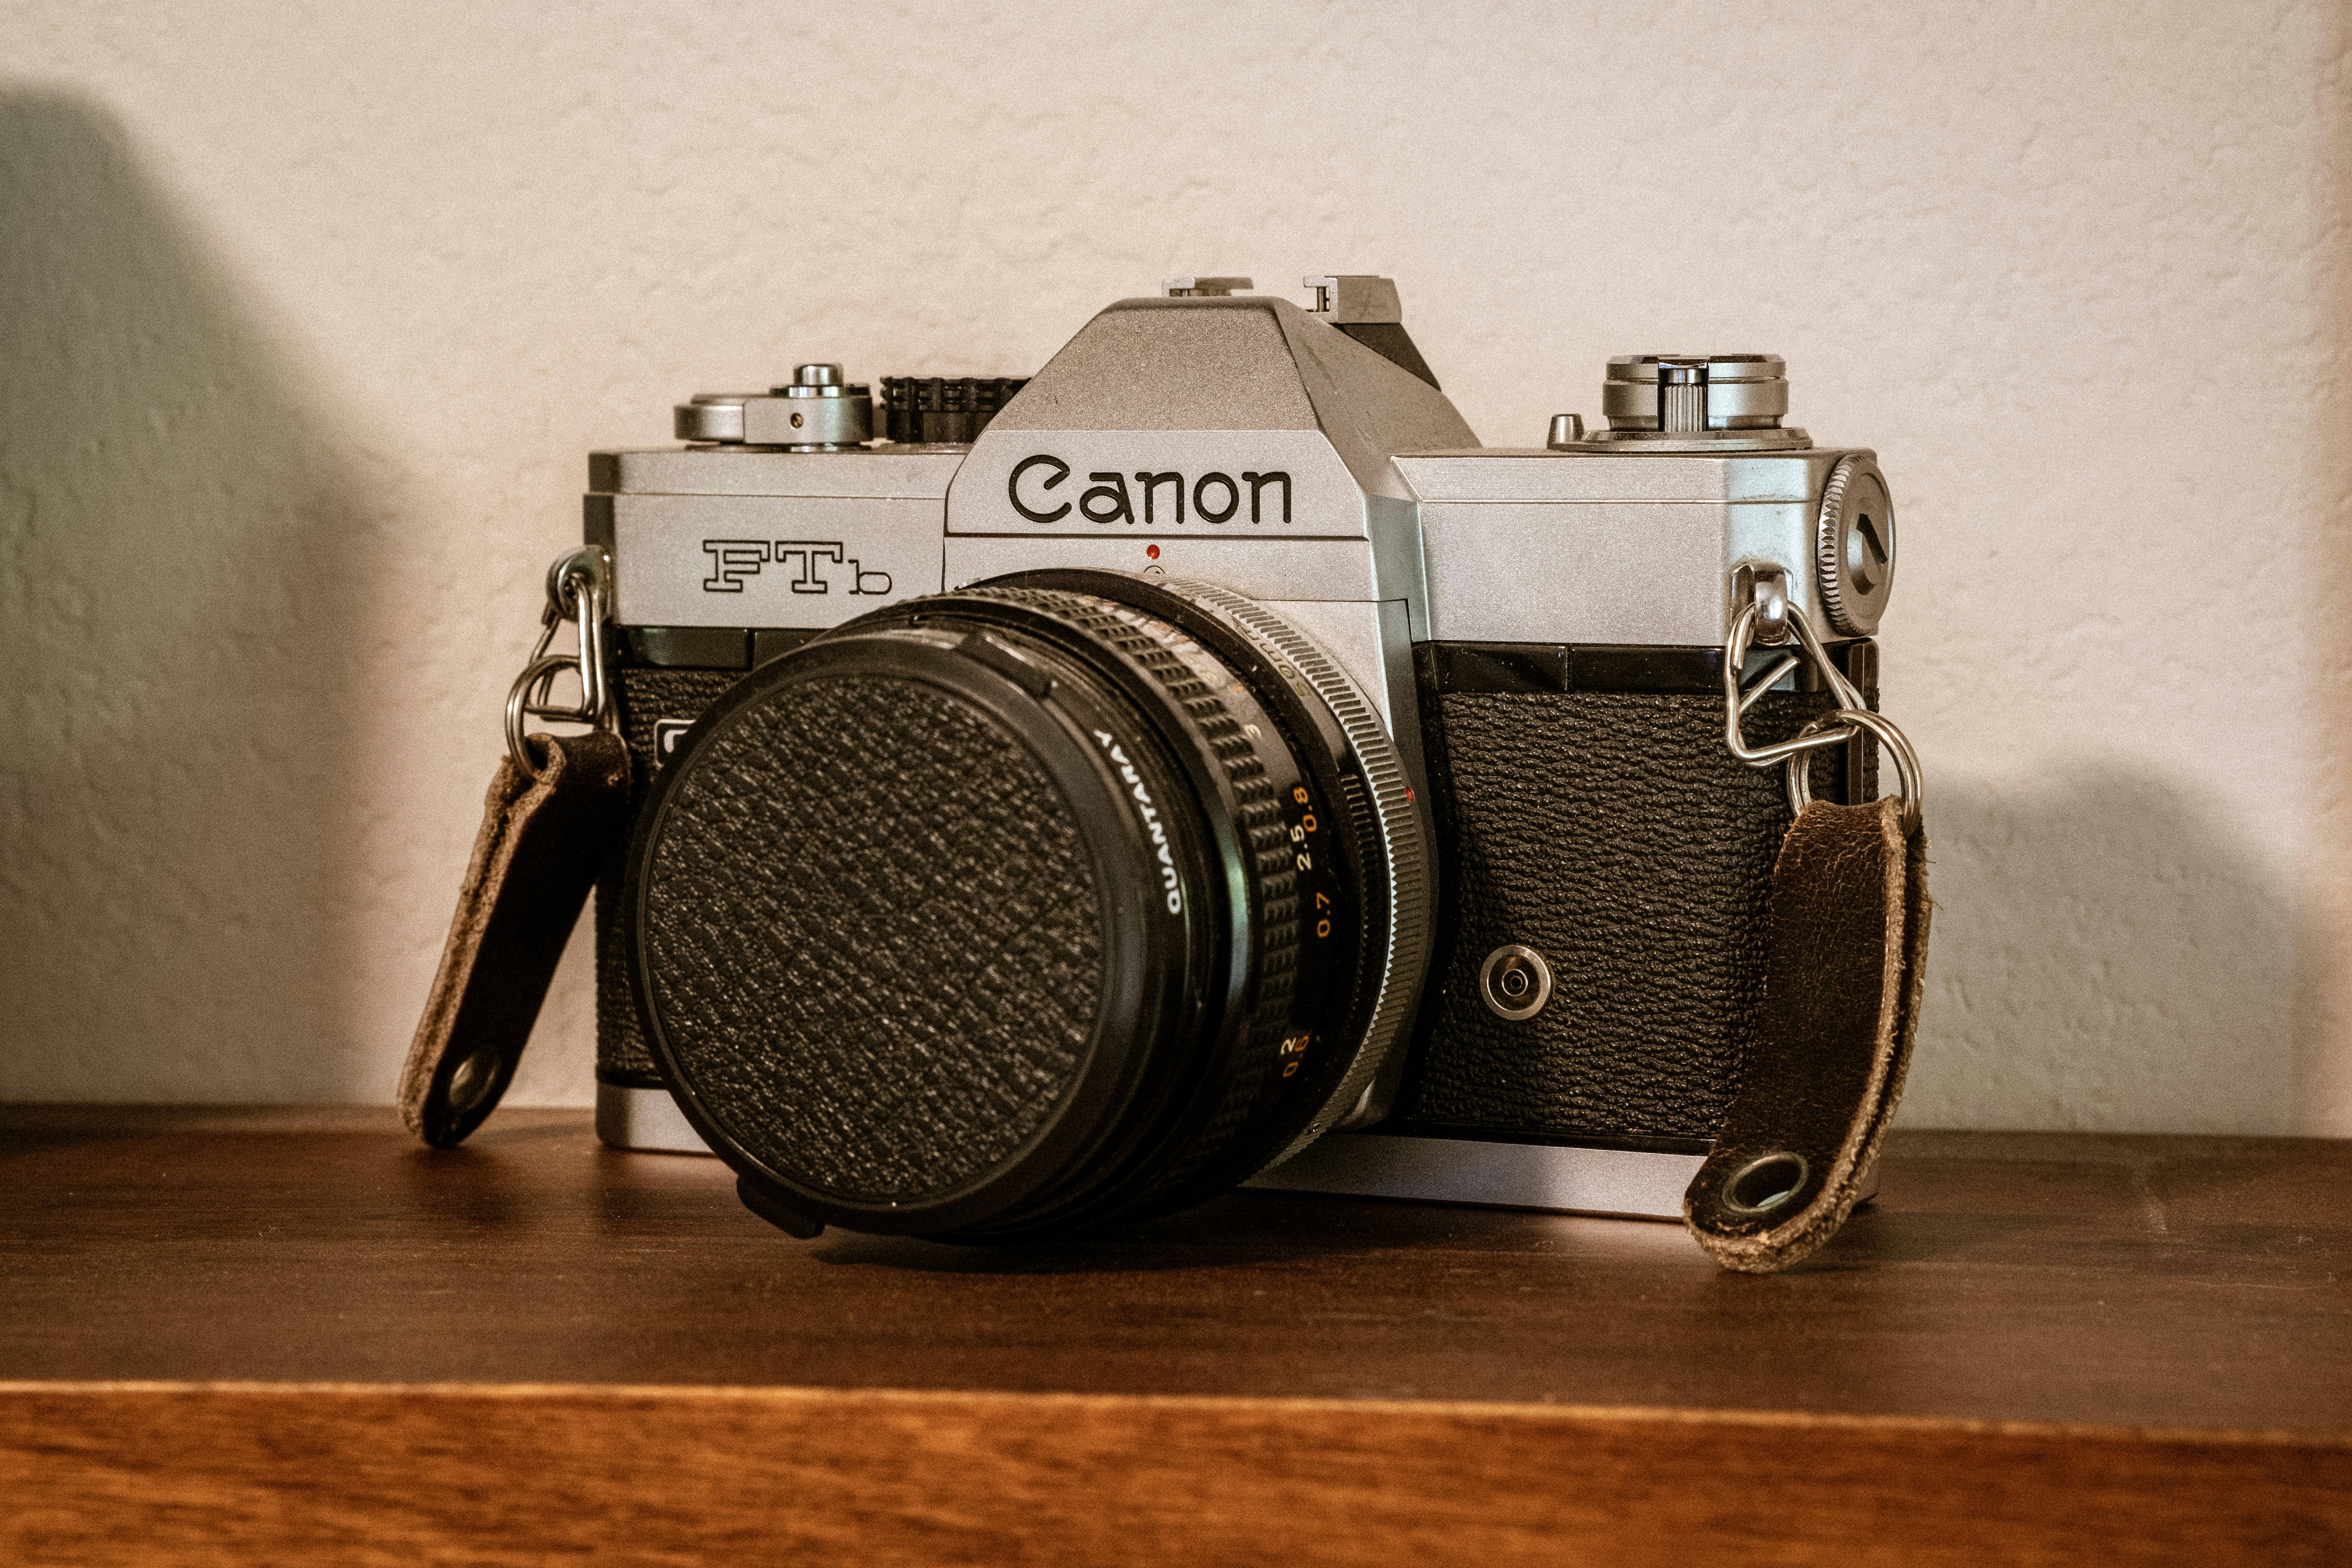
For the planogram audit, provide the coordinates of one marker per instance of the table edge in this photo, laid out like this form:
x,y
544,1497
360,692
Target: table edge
x,y
796,1395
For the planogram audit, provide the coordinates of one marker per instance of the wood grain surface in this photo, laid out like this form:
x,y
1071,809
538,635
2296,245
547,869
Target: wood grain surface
x,y
261,1336
237,1475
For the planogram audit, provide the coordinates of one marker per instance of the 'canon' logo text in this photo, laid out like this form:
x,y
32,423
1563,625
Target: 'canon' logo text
x,y
1213,497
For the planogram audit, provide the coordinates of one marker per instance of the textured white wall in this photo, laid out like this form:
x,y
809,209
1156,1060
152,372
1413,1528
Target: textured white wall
x,y
309,313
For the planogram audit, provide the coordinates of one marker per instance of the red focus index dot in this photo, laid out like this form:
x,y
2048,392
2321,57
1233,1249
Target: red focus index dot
x,y
1151,551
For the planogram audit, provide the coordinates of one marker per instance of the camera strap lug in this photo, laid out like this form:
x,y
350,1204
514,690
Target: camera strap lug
x,y
1852,716
1843,977
579,589
555,806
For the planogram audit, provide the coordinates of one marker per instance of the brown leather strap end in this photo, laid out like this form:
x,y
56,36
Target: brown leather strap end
x,y
533,863
1849,934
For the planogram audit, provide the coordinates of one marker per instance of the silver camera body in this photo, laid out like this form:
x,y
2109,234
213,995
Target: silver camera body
x,y
1306,459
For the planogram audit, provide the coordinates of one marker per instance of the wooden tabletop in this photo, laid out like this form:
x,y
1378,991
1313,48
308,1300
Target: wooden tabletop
x,y
230,1334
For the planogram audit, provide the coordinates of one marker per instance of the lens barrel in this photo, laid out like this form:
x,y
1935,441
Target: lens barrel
x,y
1051,902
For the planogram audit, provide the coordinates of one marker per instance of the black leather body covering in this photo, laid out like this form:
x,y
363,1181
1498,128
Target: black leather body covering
x,y
1610,831
1614,833
646,695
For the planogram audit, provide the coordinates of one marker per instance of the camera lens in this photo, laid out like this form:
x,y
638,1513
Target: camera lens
x,y
1052,902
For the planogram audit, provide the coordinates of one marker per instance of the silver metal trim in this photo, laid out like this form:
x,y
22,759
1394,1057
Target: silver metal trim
x,y
1521,958
1910,784
1402,845
1766,587
645,1120
1686,394
711,416
812,418
1627,1183
1620,1184
579,588
1780,1159
1573,547
872,473
1203,287
1694,442
1740,694
1353,299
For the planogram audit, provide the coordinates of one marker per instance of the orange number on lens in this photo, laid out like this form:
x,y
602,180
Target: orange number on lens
x,y
1322,928
1299,795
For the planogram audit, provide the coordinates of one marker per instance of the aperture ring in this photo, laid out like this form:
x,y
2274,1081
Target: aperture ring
x,y
1403,846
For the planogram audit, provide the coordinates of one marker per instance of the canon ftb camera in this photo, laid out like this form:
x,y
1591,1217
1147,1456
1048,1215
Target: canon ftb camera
x,y
1205,762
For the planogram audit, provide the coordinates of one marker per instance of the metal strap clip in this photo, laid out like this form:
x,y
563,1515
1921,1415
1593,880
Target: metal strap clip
x,y
1762,596
579,589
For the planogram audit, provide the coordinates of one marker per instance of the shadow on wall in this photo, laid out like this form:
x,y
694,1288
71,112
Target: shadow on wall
x,y
180,562
2101,959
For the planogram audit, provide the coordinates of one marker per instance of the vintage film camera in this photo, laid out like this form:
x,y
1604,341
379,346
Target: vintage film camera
x,y
1205,764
